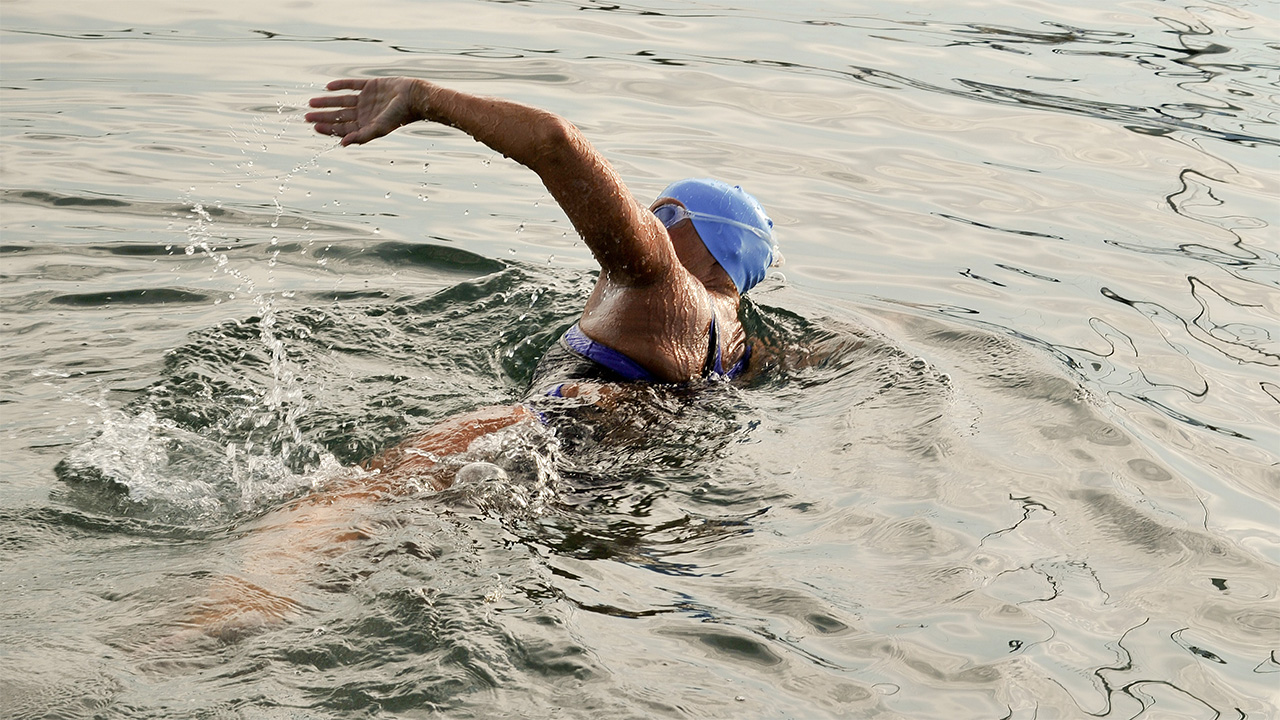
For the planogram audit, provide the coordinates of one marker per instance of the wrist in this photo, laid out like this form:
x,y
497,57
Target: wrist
x,y
422,99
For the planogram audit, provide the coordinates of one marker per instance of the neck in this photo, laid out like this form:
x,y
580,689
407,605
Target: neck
x,y
718,283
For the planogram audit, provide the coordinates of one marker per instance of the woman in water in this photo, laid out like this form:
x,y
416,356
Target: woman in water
x,y
665,307
664,310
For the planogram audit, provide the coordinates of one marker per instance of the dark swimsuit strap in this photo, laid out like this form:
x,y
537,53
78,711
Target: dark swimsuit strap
x,y
715,361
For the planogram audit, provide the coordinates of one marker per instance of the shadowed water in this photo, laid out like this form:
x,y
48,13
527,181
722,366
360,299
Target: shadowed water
x,y
1008,448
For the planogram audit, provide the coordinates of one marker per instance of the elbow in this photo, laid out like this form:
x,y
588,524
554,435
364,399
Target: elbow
x,y
557,141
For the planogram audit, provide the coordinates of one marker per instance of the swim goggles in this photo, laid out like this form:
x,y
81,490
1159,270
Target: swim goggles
x,y
672,214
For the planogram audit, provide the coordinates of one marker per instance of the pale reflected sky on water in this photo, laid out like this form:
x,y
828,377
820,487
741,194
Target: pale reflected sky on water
x,y
1026,465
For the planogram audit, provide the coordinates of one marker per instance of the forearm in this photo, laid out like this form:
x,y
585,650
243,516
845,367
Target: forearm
x,y
419,454
629,243
279,552
533,137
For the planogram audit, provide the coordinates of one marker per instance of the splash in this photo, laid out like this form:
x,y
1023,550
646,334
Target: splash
x,y
253,454
156,469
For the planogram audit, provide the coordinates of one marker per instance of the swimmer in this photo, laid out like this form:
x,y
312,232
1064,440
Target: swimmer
x,y
664,310
665,307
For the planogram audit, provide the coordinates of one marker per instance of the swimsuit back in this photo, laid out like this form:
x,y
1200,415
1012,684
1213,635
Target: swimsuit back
x,y
578,357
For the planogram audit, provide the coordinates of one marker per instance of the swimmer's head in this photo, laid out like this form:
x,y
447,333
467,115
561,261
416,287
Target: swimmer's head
x,y
732,225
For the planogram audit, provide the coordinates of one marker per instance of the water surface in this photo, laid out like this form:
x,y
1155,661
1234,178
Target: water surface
x,y
1012,452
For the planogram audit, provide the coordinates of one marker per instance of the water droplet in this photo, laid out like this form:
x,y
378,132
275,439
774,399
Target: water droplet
x,y
377,231
466,212
274,240
237,184
308,193
328,172
387,195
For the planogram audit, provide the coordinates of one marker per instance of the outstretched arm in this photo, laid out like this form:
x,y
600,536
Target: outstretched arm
x,y
280,551
628,242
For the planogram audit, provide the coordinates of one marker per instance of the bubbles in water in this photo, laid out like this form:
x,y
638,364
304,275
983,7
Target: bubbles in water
x,y
479,472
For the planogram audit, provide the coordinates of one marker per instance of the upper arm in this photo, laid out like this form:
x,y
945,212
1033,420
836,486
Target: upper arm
x,y
630,244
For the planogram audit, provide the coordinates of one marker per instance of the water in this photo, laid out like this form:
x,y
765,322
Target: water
x,y
1012,452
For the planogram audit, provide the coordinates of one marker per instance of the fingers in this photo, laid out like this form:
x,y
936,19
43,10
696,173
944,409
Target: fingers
x,y
327,116
333,126
361,136
335,101
326,129
343,122
347,84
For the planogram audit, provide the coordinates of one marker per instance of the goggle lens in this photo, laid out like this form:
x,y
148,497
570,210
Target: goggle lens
x,y
671,214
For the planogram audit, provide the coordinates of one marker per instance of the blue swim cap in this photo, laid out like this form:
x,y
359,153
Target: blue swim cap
x,y
732,225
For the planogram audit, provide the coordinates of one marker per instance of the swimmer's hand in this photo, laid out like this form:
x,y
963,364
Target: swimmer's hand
x,y
379,106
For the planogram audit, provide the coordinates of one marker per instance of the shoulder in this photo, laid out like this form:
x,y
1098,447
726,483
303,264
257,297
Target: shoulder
x,y
663,325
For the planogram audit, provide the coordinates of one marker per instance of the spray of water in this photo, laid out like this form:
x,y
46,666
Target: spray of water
x,y
247,460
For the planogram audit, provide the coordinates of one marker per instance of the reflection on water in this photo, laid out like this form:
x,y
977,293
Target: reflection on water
x,y
1008,451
